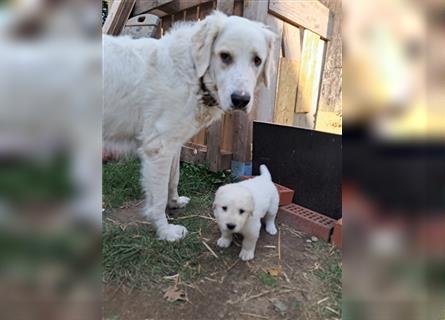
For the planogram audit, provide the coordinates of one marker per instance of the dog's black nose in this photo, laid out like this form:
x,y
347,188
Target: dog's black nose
x,y
231,226
240,99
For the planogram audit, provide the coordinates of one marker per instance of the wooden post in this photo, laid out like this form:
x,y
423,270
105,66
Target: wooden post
x,y
117,16
215,131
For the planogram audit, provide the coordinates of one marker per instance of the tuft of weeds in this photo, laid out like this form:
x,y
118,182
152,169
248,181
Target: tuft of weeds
x,y
267,279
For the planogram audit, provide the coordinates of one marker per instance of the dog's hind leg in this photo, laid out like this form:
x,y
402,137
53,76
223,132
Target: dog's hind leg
x,y
271,215
156,164
174,200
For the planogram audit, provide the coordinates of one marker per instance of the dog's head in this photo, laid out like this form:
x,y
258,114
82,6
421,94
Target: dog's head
x,y
232,207
234,55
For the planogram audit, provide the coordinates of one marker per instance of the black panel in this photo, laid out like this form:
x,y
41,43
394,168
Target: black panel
x,y
307,161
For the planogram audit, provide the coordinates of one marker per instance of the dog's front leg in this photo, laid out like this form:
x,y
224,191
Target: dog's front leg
x,y
249,241
156,164
174,200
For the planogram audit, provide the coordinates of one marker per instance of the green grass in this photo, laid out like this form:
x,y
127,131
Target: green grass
x,y
133,255
330,273
121,182
267,279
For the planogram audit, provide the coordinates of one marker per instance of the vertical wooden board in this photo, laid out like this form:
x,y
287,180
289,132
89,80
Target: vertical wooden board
x,y
191,14
287,91
214,139
291,42
238,8
199,138
205,9
118,15
225,6
166,24
310,72
227,132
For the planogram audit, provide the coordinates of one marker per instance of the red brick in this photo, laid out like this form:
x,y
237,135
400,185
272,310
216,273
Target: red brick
x,y
286,194
306,220
337,235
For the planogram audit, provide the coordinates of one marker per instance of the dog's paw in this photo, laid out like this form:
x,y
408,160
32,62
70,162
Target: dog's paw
x,y
172,232
223,242
271,229
179,203
246,255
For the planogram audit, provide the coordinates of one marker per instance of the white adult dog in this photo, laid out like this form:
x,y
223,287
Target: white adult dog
x,y
239,208
159,93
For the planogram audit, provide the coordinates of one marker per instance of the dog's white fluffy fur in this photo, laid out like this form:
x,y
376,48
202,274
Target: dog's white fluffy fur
x,y
239,208
153,96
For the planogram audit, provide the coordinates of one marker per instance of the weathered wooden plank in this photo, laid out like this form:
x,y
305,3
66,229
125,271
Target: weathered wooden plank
x,y
240,136
227,132
205,9
214,141
180,5
193,153
310,14
287,91
291,42
117,16
309,79
166,24
142,26
225,6
238,8
331,83
143,6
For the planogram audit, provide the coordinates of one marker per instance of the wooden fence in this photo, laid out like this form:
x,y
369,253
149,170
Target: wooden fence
x,y
303,29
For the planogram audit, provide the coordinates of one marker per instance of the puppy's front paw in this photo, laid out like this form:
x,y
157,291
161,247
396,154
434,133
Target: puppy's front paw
x,y
246,255
179,203
271,229
223,242
172,232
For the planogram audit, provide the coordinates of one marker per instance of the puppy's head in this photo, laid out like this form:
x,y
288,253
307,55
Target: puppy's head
x,y
232,206
234,54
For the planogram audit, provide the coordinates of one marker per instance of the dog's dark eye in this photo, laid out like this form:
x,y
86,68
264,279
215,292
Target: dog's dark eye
x,y
226,57
224,208
241,211
257,61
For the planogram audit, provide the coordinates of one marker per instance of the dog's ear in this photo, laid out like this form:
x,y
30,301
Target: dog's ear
x,y
267,67
203,39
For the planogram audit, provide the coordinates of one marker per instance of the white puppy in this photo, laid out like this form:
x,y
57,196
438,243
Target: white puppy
x,y
160,93
239,208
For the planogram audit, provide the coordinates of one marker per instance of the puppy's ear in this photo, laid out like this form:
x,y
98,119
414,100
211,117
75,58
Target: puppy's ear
x,y
271,38
203,39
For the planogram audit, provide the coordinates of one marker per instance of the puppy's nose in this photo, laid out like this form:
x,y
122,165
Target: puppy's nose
x,y
240,99
230,226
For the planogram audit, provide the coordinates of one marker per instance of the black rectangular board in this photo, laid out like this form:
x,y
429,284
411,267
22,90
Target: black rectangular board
x,y
307,161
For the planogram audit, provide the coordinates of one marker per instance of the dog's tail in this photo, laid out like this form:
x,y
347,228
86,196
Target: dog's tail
x,y
265,172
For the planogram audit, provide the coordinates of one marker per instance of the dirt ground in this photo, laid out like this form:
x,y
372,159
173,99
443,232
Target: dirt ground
x,y
293,276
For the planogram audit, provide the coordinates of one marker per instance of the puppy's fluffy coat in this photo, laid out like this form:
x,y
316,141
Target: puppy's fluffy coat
x,y
239,208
